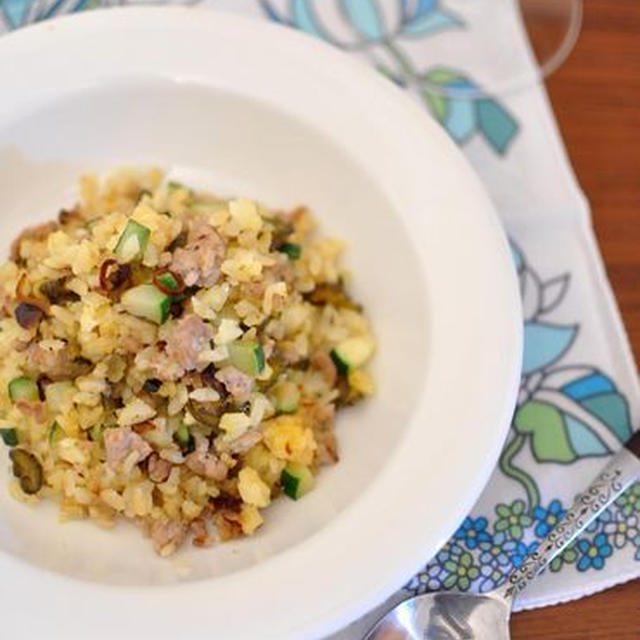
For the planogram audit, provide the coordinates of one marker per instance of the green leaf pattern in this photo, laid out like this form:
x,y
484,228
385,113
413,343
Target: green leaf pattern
x,y
565,413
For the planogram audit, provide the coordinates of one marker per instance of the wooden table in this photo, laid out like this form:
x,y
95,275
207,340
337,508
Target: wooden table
x,y
596,97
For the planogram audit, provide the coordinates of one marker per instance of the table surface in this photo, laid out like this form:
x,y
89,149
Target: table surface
x,y
595,96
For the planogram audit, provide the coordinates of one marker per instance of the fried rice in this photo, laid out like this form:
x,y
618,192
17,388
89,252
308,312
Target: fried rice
x,y
174,359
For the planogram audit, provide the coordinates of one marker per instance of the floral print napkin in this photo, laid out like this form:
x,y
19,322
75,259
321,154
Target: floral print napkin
x,y
579,395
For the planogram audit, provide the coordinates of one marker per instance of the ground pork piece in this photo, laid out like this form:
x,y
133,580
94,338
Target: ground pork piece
x,y
327,450
39,232
165,259
167,535
253,289
288,352
130,344
143,427
201,537
322,416
120,442
235,382
60,364
198,262
158,468
47,361
36,410
206,464
322,361
228,524
164,368
281,271
188,339
242,444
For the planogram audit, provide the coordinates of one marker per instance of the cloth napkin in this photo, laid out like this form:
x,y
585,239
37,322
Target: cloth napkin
x,y
579,395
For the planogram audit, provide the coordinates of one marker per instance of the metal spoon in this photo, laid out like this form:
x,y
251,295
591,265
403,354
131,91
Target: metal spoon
x,y
469,616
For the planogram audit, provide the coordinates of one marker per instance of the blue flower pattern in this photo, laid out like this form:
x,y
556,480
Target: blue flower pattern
x,y
498,555
473,532
593,552
494,551
518,550
547,519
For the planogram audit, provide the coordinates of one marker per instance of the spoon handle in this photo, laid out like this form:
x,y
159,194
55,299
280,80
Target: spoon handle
x,y
623,469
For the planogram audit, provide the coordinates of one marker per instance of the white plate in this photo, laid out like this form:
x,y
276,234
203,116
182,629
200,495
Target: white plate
x,y
249,108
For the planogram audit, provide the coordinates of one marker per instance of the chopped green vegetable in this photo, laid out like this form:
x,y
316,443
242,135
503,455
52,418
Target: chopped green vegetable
x,y
152,385
133,242
352,353
169,281
248,356
28,315
56,433
56,292
9,436
96,433
178,186
23,389
341,365
148,302
282,229
293,250
287,397
27,469
296,480
185,439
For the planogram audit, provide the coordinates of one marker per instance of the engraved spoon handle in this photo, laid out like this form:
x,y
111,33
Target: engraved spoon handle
x,y
623,469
